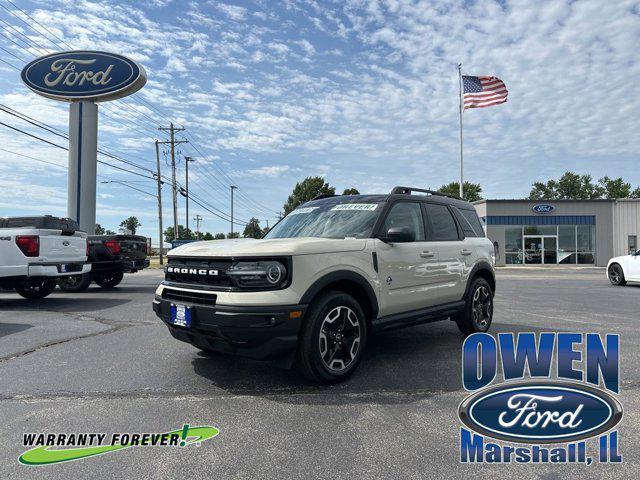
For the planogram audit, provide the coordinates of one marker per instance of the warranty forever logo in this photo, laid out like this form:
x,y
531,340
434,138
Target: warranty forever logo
x,y
48,445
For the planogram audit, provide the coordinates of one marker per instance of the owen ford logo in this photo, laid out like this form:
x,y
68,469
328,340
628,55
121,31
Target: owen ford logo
x,y
539,413
543,208
192,271
84,75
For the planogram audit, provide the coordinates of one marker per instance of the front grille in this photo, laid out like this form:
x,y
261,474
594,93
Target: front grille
x,y
198,298
222,280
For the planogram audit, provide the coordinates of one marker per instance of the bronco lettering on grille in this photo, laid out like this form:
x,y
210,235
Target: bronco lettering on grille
x,y
192,271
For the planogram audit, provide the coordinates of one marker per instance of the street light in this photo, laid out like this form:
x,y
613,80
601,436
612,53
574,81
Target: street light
x,y
186,166
233,187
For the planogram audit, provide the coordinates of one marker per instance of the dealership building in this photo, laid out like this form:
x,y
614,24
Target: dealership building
x,y
564,232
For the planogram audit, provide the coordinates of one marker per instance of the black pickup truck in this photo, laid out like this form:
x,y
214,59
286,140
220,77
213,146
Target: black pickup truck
x,y
110,256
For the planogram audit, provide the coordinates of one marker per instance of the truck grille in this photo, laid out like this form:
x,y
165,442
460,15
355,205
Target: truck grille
x,y
190,268
198,298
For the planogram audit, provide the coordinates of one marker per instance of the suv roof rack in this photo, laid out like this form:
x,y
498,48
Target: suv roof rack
x,y
408,190
324,195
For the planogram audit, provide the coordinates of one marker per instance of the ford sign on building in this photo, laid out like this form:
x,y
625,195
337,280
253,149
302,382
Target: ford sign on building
x,y
561,232
83,78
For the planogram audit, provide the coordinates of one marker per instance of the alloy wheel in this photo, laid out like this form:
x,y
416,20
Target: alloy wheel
x,y
339,339
482,307
615,274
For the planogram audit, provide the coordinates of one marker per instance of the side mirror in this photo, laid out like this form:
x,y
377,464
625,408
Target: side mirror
x,y
399,235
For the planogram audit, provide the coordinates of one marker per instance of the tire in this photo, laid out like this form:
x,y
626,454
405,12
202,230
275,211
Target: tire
x,y
478,310
35,288
75,283
616,275
332,339
108,279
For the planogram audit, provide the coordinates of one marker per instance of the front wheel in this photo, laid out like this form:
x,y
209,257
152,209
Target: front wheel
x,y
35,288
108,279
478,310
75,283
616,275
332,339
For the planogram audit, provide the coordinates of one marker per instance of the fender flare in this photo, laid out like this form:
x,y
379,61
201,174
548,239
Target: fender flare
x,y
337,276
482,265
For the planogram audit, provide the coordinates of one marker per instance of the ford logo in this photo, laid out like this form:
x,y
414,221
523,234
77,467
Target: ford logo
x,y
543,208
84,75
66,243
539,413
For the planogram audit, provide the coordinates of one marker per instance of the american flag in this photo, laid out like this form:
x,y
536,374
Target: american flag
x,y
479,92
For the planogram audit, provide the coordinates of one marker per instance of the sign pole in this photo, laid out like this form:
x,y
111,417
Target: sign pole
x,y
461,108
83,160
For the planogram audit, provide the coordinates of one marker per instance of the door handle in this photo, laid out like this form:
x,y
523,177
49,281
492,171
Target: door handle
x,y
427,254
465,252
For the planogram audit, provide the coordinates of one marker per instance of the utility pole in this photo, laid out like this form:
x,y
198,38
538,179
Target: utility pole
x,y
187,160
159,200
198,219
173,144
233,187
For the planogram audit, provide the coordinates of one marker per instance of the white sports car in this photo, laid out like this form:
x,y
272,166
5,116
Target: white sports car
x,y
621,270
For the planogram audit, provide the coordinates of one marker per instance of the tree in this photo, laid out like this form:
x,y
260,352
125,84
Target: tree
x,y
472,191
615,187
109,232
252,230
265,230
100,229
219,236
306,190
351,191
130,225
183,233
207,236
233,235
573,186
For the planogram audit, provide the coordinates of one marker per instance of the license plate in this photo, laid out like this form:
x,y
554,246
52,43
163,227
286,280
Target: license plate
x,y
180,315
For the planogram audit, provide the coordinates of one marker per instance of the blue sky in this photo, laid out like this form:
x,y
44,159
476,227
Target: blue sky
x,y
361,92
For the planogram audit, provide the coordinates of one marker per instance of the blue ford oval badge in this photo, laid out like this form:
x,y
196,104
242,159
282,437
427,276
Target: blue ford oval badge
x,y
84,75
539,413
543,208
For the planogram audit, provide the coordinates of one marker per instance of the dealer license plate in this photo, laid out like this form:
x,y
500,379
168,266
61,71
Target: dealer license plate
x,y
180,315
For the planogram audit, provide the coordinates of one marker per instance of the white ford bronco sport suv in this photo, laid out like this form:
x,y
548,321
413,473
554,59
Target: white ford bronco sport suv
x,y
328,275
36,251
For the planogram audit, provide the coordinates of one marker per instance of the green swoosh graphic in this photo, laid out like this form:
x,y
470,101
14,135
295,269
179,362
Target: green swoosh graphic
x,y
45,455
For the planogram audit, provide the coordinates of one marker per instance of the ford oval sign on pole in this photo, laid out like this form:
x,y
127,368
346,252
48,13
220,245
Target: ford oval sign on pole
x,y
83,78
543,208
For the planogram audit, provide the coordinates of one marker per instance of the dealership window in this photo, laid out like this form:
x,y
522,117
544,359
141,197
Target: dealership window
x,y
633,244
585,241
567,244
513,245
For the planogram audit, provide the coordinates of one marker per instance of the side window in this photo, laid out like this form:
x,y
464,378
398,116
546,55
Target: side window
x,y
406,214
467,229
443,226
472,217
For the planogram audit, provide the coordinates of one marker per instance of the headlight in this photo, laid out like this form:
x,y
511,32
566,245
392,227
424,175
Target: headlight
x,y
258,274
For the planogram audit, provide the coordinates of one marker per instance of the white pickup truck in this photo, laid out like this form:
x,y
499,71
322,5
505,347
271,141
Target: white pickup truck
x,y
35,251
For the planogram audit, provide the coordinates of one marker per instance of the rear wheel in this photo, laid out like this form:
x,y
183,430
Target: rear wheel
x,y
478,311
108,279
34,288
616,275
75,283
332,339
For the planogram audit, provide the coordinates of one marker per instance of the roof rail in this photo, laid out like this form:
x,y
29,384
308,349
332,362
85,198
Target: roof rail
x,y
408,190
324,195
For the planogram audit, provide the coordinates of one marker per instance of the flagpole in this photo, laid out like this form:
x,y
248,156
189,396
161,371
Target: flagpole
x,y
461,108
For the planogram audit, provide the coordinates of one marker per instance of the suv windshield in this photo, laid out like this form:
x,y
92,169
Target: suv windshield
x,y
328,220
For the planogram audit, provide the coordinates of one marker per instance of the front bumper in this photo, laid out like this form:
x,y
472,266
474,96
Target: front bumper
x,y
57,270
264,333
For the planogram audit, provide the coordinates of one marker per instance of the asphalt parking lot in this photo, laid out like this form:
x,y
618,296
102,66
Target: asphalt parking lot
x,y
101,361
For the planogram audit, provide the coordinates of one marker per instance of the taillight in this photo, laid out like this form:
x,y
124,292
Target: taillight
x,y
29,245
113,246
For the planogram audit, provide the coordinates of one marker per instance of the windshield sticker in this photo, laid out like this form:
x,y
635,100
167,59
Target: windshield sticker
x,y
367,207
298,211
